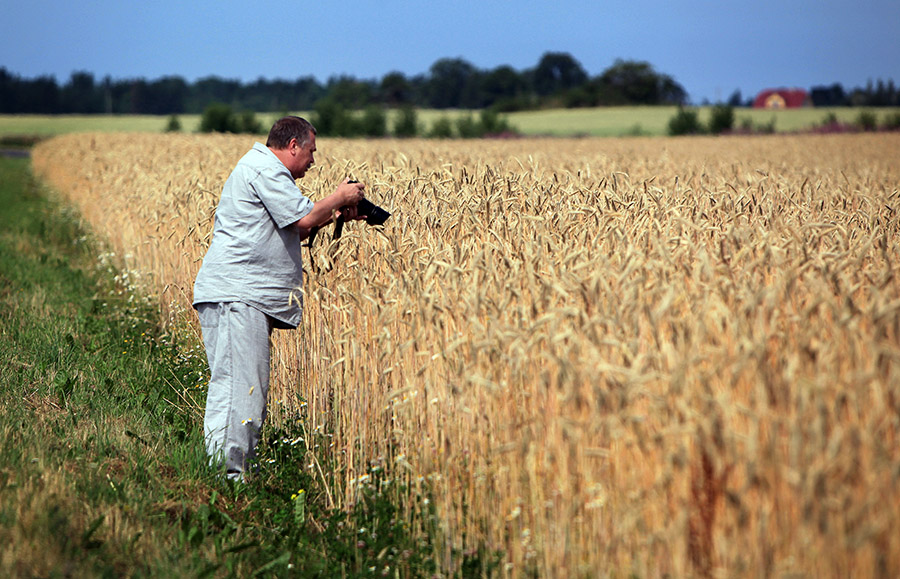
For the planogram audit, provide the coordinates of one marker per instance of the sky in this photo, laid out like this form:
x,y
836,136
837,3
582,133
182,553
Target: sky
x,y
710,47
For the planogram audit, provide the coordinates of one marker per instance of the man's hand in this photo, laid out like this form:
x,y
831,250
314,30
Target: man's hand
x,y
342,202
351,192
350,213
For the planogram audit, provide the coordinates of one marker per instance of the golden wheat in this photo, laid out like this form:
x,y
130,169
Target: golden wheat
x,y
649,356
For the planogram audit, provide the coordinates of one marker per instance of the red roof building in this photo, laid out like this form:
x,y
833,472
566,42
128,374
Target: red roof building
x,y
782,98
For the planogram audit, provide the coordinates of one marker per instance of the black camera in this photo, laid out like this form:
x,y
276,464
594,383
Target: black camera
x,y
375,215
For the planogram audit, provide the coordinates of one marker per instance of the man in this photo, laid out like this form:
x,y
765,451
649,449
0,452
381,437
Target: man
x,y
250,280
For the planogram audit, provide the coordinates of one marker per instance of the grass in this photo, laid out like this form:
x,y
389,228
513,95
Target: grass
x,y
596,122
102,471
49,125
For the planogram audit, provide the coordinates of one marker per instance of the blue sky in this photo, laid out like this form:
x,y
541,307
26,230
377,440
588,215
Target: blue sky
x,y
710,47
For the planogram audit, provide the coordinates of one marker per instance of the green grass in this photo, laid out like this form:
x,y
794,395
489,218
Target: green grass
x,y
653,121
49,125
102,471
598,122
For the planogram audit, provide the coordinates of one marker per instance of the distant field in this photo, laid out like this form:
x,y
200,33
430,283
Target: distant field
x,y
48,125
621,121
597,122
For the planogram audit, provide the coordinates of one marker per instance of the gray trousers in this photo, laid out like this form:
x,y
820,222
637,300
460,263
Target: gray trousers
x,y
237,341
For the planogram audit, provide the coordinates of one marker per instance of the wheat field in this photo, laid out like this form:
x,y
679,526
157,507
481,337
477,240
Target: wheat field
x,y
601,357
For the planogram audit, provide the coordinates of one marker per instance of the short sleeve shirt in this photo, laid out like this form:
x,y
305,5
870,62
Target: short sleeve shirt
x,y
254,256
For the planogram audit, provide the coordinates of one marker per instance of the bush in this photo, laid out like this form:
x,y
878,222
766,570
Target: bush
x,y
442,128
892,121
721,119
468,128
374,122
220,118
407,124
867,121
492,123
331,119
685,122
830,119
248,123
173,125
768,128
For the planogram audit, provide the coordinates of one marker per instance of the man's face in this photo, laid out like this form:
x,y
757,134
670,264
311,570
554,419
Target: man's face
x,y
302,157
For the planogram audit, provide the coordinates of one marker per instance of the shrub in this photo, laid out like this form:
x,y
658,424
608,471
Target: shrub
x,y
407,124
867,121
218,118
442,128
374,122
721,119
173,125
892,121
492,123
468,128
248,123
636,130
685,122
768,128
830,119
331,119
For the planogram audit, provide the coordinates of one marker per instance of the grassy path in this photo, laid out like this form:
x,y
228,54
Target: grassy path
x,y
101,468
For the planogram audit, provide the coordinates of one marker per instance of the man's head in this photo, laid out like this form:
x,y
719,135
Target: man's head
x,y
293,140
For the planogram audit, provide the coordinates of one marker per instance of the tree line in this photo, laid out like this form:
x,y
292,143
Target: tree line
x,y
558,79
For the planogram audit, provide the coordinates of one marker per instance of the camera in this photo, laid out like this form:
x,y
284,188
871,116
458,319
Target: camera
x,y
375,215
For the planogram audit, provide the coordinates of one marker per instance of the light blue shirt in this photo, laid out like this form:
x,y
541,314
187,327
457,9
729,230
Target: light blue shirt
x,y
254,256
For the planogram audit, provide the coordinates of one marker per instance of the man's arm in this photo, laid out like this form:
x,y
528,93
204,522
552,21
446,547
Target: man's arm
x,y
346,195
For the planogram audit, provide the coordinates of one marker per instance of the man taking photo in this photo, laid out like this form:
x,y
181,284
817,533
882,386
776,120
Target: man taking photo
x,y
250,282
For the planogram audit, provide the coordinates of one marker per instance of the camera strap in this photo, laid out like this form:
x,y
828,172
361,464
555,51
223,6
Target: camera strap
x,y
338,230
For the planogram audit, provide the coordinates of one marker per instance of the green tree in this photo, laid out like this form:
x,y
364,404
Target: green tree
x,y
351,93
453,84
502,86
81,95
557,72
395,89
637,83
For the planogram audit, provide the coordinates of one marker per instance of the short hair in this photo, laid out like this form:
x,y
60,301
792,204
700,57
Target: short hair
x,y
287,128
